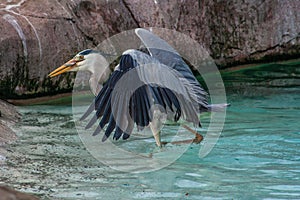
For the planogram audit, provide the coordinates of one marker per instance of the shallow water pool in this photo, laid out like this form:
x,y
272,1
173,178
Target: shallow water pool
x,y
256,157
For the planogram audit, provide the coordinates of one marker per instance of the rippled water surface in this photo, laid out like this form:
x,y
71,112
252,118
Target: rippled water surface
x,y
256,157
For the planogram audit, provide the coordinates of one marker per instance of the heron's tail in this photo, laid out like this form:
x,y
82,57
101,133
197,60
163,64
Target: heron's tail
x,y
216,107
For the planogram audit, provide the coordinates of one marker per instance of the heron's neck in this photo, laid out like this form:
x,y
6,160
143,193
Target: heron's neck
x,y
99,69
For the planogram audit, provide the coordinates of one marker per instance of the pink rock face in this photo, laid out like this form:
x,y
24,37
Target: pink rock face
x,y
7,193
36,37
8,117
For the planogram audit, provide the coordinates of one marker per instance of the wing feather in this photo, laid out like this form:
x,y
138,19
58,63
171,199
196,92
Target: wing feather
x,y
142,99
167,55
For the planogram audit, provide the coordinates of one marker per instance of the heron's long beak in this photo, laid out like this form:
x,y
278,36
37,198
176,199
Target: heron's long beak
x,y
71,64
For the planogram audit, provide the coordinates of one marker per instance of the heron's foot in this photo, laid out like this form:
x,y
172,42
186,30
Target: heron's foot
x,y
160,145
198,138
164,143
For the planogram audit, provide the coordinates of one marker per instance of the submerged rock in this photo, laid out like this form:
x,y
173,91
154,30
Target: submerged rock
x,y
7,193
36,38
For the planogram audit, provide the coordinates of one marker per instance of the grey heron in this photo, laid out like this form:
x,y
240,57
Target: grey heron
x,y
121,106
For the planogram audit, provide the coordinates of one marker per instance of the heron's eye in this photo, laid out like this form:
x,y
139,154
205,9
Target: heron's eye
x,y
79,58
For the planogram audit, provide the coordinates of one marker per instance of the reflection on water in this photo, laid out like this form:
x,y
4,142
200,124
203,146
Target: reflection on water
x,y
257,156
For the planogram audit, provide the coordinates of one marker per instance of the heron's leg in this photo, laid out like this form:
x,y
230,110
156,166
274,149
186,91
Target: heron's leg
x,y
156,124
156,134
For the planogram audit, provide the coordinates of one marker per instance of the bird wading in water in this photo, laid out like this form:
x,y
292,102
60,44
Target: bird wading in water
x,y
147,85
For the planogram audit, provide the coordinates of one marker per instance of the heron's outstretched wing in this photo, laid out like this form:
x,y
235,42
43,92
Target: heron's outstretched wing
x,y
129,94
167,55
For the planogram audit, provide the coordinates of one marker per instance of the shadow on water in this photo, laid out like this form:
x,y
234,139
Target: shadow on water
x,y
257,156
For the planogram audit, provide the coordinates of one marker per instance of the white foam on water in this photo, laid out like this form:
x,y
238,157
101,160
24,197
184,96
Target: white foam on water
x,y
146,195
189,184
2,158
285,187
193,174
285,194
77,194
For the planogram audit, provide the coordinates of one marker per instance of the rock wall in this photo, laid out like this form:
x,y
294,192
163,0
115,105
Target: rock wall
x,y
36,37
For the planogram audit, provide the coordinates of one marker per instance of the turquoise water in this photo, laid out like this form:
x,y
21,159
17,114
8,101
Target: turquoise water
x,y
256,157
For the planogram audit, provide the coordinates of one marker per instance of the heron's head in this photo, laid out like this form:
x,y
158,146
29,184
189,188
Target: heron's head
x,y
79,62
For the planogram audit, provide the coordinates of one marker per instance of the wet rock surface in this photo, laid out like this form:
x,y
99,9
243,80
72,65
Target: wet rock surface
x,y
7,193
9,116
36,38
